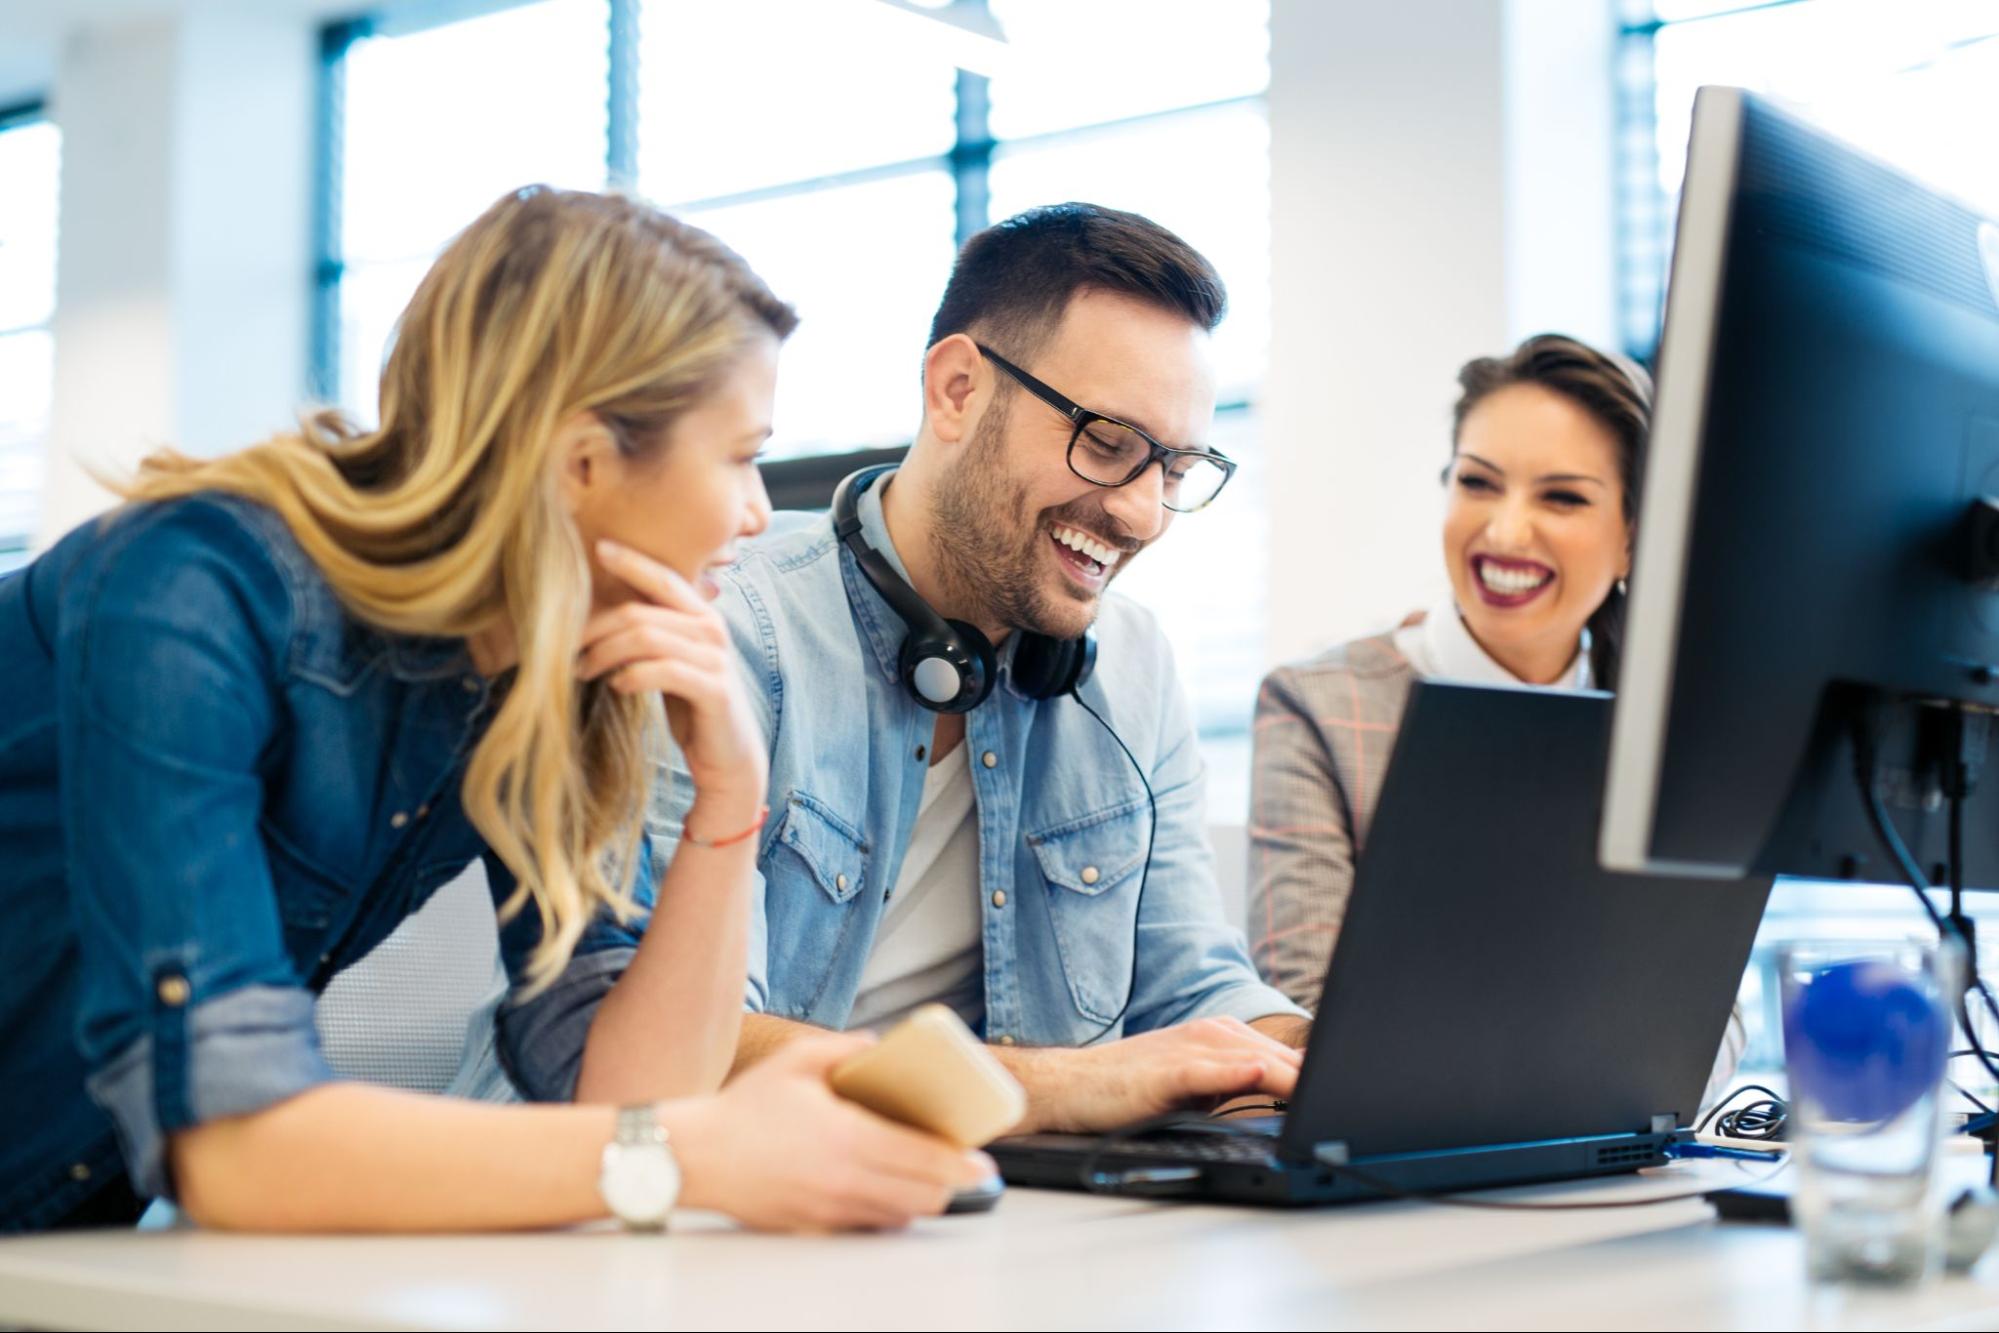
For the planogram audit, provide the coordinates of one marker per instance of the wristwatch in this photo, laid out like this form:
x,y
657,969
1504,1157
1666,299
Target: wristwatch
x,y
640,1179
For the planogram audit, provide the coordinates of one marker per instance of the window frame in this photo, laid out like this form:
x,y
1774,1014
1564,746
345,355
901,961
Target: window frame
x,y
803,483
794,483
1642,216
16,547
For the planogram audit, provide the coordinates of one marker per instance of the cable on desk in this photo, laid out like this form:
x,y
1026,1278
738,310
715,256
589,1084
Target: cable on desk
x,y
1763,1119
1963,1091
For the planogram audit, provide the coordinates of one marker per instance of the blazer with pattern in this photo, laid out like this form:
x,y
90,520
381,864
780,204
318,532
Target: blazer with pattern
x,y
1324,728
1323,733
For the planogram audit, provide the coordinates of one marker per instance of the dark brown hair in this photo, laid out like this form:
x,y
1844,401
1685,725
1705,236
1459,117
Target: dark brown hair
x,y
1013,280
1618,393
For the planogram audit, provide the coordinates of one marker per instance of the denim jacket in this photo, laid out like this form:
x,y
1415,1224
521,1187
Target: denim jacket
x,y
1062,815
217,790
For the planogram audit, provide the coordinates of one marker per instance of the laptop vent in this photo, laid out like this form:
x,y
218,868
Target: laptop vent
x,y
1629,1154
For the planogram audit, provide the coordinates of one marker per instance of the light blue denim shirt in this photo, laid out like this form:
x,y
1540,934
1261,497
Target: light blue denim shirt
x,y
1061,813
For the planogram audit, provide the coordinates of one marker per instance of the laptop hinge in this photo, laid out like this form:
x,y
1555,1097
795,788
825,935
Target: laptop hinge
x,y
1333,1152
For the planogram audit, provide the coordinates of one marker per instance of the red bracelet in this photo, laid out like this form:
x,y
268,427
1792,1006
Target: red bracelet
x,y
763,813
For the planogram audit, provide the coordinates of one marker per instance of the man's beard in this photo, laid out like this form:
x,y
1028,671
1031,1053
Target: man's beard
x,y
987,547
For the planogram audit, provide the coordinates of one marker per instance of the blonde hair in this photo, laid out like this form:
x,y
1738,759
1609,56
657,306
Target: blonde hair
x,y
447,520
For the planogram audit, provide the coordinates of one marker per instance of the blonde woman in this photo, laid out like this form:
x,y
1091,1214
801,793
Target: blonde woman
x,y
253,718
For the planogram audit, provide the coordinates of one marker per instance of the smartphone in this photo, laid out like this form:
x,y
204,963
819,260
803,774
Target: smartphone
x,y
932,1074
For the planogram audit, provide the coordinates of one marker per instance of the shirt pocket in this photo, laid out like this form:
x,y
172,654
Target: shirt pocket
x,y
1093,867
820,846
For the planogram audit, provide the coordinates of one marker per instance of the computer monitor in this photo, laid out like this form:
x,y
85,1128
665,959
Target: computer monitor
x,y
1816,547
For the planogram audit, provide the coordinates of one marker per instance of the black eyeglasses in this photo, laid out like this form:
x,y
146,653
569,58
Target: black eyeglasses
x,y
1107,452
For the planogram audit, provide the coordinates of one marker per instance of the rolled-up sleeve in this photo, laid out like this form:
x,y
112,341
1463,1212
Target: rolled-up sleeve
x,y
242,1052
168,697
542,1035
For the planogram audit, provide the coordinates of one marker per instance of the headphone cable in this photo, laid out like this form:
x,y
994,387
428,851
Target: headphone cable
x,y
1152,834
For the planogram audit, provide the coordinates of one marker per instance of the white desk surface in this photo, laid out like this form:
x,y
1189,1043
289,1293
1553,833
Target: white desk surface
x,y
1042,1260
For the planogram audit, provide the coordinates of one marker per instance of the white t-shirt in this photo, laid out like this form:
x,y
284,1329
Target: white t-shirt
x,y
928,945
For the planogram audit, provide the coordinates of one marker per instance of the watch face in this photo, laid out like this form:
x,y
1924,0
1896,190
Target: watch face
x,y
640,1182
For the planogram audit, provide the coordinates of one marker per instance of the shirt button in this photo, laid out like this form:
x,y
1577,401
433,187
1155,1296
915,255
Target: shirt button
x,y
471,684
174,991
422,810
79,1171
1090,875
840,881
989,759
1005,1040
999,897
398,819
920,752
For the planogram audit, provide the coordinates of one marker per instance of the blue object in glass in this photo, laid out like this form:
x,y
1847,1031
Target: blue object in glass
x,y
1865,1041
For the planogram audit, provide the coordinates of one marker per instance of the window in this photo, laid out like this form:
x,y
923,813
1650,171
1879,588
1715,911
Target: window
x,y
1916,84
841,148
1222,210
831,173
526,104
30,149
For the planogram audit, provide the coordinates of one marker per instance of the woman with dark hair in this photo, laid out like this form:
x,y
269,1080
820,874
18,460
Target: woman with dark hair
x,y
1547,455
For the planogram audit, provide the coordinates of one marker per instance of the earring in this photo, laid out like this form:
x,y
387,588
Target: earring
x,y
1622,587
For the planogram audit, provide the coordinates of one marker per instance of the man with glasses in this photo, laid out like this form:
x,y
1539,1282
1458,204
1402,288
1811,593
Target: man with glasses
x,y
1010,830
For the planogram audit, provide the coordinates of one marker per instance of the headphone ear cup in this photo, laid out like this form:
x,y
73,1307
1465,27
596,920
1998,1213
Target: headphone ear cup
x,y
1086,661
951,674
1046,668
984,662
1038,663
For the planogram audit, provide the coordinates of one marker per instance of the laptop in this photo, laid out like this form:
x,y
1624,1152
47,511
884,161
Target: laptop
x,y
1499,1009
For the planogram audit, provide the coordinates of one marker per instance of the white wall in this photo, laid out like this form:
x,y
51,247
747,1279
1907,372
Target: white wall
x,y
1440,186
183,284
114,372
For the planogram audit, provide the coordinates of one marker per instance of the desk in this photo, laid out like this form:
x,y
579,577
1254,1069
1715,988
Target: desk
x,y
1043,1260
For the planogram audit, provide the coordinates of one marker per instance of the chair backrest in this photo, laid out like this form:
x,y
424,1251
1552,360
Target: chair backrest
x,y
417,1012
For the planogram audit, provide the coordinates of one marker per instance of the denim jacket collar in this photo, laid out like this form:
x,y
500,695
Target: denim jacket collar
x,y
426,659
329,643
878,622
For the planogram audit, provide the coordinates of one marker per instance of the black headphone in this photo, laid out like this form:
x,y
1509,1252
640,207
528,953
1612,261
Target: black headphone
x,y
948,666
